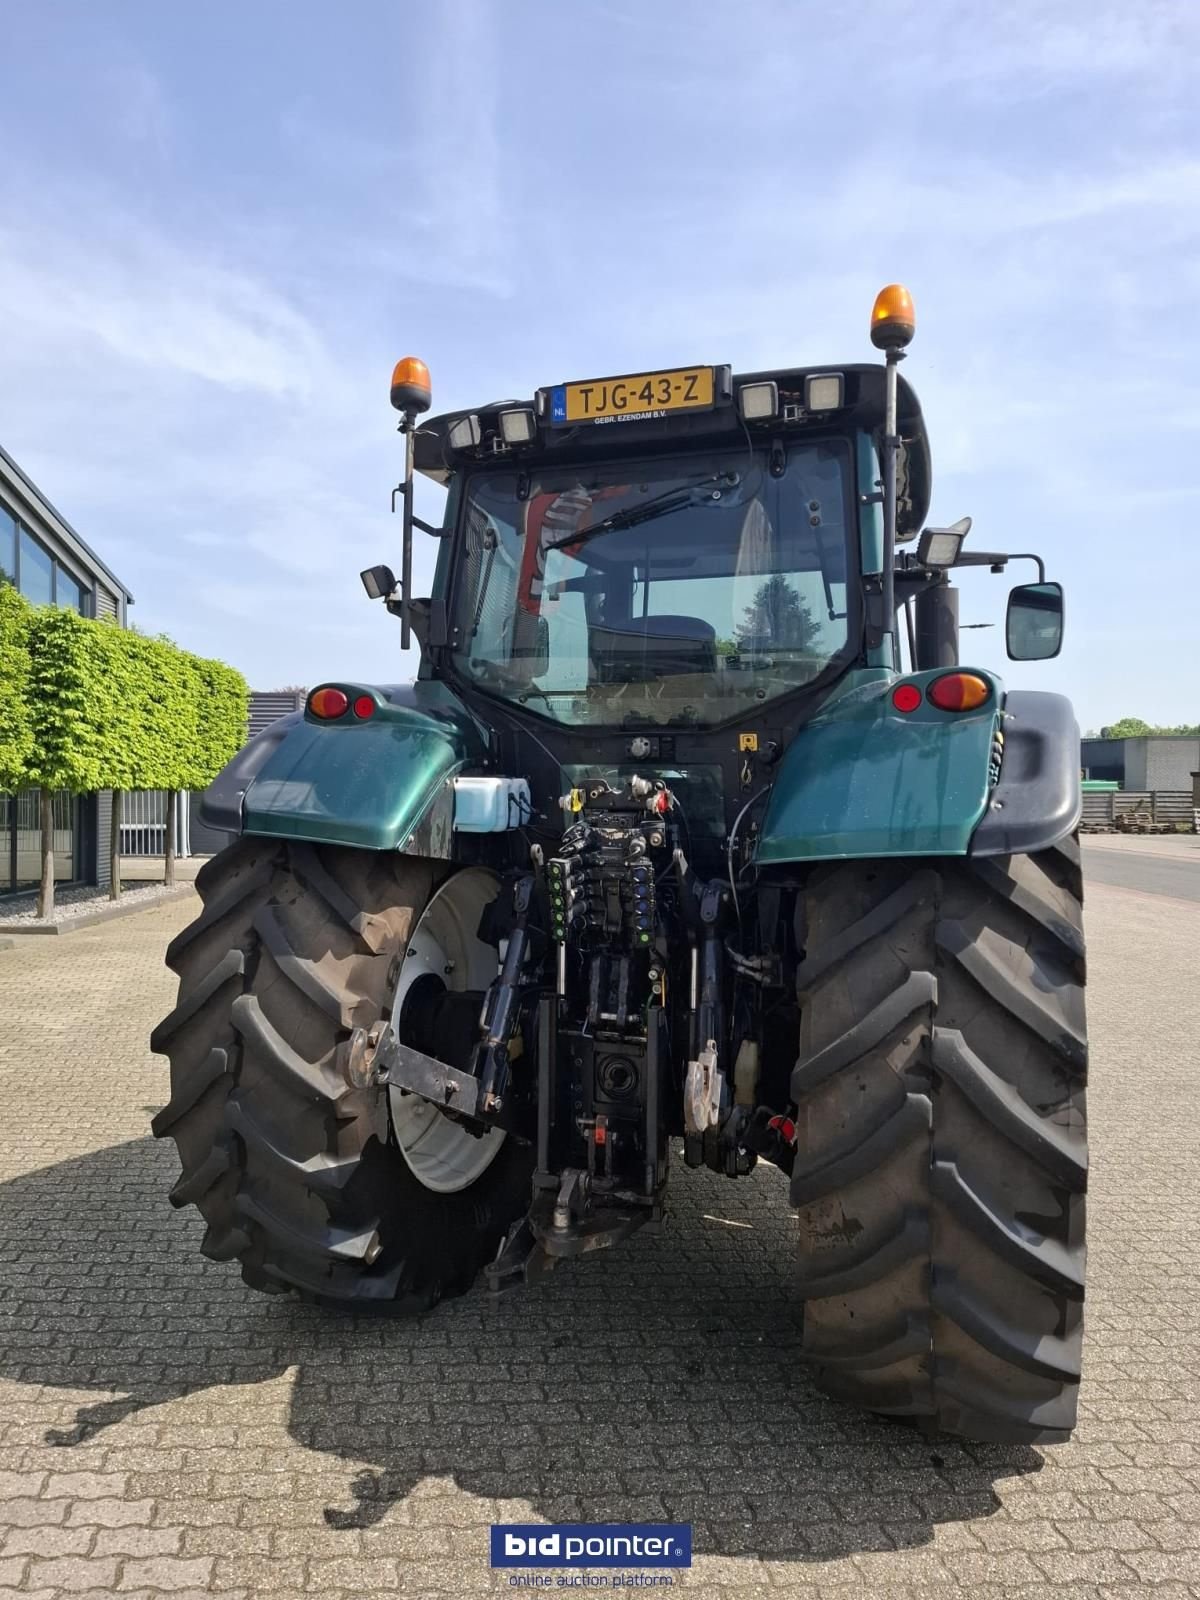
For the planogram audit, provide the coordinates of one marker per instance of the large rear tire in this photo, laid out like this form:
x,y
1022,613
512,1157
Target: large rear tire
x,y
942,1144
299,1176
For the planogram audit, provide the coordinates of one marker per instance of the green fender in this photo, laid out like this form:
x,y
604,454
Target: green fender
x,y
864,779
381,783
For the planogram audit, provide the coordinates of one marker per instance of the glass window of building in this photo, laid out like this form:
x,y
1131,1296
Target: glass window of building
x,y
37,571
66,591
8,547
21,839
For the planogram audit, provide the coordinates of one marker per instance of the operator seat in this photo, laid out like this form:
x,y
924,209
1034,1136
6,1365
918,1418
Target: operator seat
x,y
642,649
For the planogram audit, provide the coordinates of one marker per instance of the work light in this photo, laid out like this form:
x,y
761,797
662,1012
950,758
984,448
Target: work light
x,y
758,400
823,391
464,434
517,427
939,547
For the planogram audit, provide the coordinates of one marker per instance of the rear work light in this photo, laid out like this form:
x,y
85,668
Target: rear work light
x,y
328,703
958,691
758,400
517,427
823,391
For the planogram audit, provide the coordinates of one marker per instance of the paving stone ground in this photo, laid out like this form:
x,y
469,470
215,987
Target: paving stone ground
x,y
163,1430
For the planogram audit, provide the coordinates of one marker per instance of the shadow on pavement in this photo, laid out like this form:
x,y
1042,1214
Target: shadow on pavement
x,y
659,1382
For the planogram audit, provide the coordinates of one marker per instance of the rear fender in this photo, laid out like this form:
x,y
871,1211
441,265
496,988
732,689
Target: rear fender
x,y
1039,798
864,779
379,783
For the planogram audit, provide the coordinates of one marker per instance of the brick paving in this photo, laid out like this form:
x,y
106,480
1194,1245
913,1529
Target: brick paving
x,y
164,1431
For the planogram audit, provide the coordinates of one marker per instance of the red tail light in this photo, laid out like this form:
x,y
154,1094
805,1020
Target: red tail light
x,y
958,691
364,707
906,697
328,703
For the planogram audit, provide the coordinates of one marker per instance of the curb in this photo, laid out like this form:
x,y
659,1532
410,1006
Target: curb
x,y
88,919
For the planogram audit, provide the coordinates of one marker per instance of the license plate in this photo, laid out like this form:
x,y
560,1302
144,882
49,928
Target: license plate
x,y
639,398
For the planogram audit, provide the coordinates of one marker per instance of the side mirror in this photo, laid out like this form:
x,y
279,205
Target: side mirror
x,y
1033,627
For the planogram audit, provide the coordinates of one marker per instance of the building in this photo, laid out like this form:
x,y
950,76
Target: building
x,y
41,553
1156,761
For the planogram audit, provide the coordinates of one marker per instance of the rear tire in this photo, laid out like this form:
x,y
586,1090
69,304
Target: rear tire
x,y
297,1174
942,1147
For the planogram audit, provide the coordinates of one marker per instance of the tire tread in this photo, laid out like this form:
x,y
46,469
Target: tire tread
x,y
941,1167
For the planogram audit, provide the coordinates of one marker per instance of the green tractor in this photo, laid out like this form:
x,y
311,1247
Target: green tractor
x,y
692,839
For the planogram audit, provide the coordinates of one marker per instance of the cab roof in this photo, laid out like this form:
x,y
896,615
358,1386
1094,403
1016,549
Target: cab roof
x,y
863,407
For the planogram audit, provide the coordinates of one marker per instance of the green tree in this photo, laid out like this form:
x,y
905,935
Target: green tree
x,y
192,715
16,735
778,615
1135,728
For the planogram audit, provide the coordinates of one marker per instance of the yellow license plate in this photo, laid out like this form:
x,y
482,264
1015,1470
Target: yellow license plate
x,y
639,398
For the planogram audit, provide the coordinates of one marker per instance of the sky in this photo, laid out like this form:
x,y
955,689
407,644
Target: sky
x,y
220,225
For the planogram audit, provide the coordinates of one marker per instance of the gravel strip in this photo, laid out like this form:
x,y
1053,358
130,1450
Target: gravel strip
x,y
78,902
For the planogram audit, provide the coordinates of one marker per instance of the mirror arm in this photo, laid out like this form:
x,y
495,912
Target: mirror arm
x,y
1028,555
999,560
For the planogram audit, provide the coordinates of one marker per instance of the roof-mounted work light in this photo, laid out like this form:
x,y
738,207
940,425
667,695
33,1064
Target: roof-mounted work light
x,y
757,401
517,427
823,391
464,434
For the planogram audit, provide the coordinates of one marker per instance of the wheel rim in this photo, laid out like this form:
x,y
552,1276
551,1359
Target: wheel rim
x,y
442,1155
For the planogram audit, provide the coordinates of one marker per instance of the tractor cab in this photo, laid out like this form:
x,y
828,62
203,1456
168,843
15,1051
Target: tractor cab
x,y
617,564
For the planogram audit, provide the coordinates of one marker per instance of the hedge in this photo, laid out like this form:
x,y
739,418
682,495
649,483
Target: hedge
x,y
90,705
113,709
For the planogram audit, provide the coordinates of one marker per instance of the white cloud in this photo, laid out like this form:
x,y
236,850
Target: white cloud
x,y
448,218
115,283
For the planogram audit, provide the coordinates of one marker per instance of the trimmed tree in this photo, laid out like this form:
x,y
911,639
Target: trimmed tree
x,y
191,715
196,716
115,673
16,734
66,745
222,720
172,720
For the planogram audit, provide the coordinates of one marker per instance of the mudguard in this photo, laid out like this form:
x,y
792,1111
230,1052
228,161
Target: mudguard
x,y
379,783
864,779
1038,800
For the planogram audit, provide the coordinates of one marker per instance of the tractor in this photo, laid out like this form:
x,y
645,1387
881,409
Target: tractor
x,y
692,842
